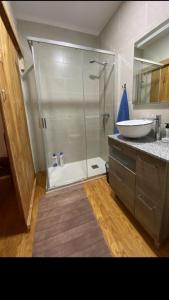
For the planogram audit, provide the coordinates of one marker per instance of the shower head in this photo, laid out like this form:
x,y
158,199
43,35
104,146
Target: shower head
x,y
97,62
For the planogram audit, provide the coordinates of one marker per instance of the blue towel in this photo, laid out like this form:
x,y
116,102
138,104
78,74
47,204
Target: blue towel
x,y
123,113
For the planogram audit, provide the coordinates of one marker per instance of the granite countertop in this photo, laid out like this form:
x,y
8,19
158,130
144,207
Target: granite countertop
x,y
158,149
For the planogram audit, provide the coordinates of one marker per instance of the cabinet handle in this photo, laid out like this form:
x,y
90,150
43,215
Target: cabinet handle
x,y
140,197
117,148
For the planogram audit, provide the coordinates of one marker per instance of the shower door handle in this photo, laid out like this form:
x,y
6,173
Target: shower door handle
x,y
44,125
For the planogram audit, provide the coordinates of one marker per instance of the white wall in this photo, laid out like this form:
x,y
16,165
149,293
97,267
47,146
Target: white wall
x,y
9,10
158,50
132,20
26,28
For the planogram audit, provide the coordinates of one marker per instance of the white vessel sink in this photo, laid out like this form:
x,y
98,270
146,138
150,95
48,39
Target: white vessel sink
x,y
134,128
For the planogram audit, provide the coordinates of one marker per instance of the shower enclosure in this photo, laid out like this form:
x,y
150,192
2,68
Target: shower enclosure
x,y
75,87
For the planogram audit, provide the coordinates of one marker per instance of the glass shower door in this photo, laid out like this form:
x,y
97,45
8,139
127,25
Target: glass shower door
x,y
106,100
99,108
59,79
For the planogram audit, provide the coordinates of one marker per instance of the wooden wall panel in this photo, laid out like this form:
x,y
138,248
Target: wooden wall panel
x,y
164,84
13,110
154,91
3,150
159,91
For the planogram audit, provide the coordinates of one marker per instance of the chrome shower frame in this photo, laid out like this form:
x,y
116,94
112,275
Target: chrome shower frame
x,y
31,40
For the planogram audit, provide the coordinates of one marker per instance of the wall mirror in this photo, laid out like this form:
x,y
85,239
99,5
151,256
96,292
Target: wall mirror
x,y
151,67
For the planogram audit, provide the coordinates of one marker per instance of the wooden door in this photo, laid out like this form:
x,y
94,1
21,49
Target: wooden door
x,y
13,111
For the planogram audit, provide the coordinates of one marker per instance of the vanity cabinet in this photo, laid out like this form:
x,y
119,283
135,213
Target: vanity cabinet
x,y
122,174
150,192
141,182
123,183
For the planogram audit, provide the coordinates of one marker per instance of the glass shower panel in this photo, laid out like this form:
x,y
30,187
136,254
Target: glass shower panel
x,y
91,96
98,94
106,100
60,84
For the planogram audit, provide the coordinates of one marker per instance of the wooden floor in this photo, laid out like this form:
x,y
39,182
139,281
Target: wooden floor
x,y
124,236
13,243
66,226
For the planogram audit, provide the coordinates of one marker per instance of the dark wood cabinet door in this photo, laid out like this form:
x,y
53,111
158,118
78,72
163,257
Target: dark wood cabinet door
x,y
150,178
122,182
150,192
147,214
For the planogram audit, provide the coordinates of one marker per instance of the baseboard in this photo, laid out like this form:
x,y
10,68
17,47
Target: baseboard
x,y
5,177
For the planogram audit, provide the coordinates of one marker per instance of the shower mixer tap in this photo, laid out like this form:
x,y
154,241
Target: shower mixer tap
x,y
105,116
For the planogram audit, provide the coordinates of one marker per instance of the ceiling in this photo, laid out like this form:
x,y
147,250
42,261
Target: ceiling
x,y
84,16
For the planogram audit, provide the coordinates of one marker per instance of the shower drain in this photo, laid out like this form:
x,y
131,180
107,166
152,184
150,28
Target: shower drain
x,y
95,166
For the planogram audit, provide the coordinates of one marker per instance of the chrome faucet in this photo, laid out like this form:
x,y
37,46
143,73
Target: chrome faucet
x,y
158,127
157,120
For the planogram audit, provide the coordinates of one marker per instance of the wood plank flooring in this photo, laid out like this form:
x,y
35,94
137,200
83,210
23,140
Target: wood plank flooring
x,y
66,226
124,236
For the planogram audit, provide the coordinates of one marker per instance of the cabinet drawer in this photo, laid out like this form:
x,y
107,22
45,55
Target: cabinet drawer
x,y
121,147
150,178
124,173
147,214
122,182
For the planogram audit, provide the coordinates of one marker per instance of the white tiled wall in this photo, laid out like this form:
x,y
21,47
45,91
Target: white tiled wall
x,y
132,20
